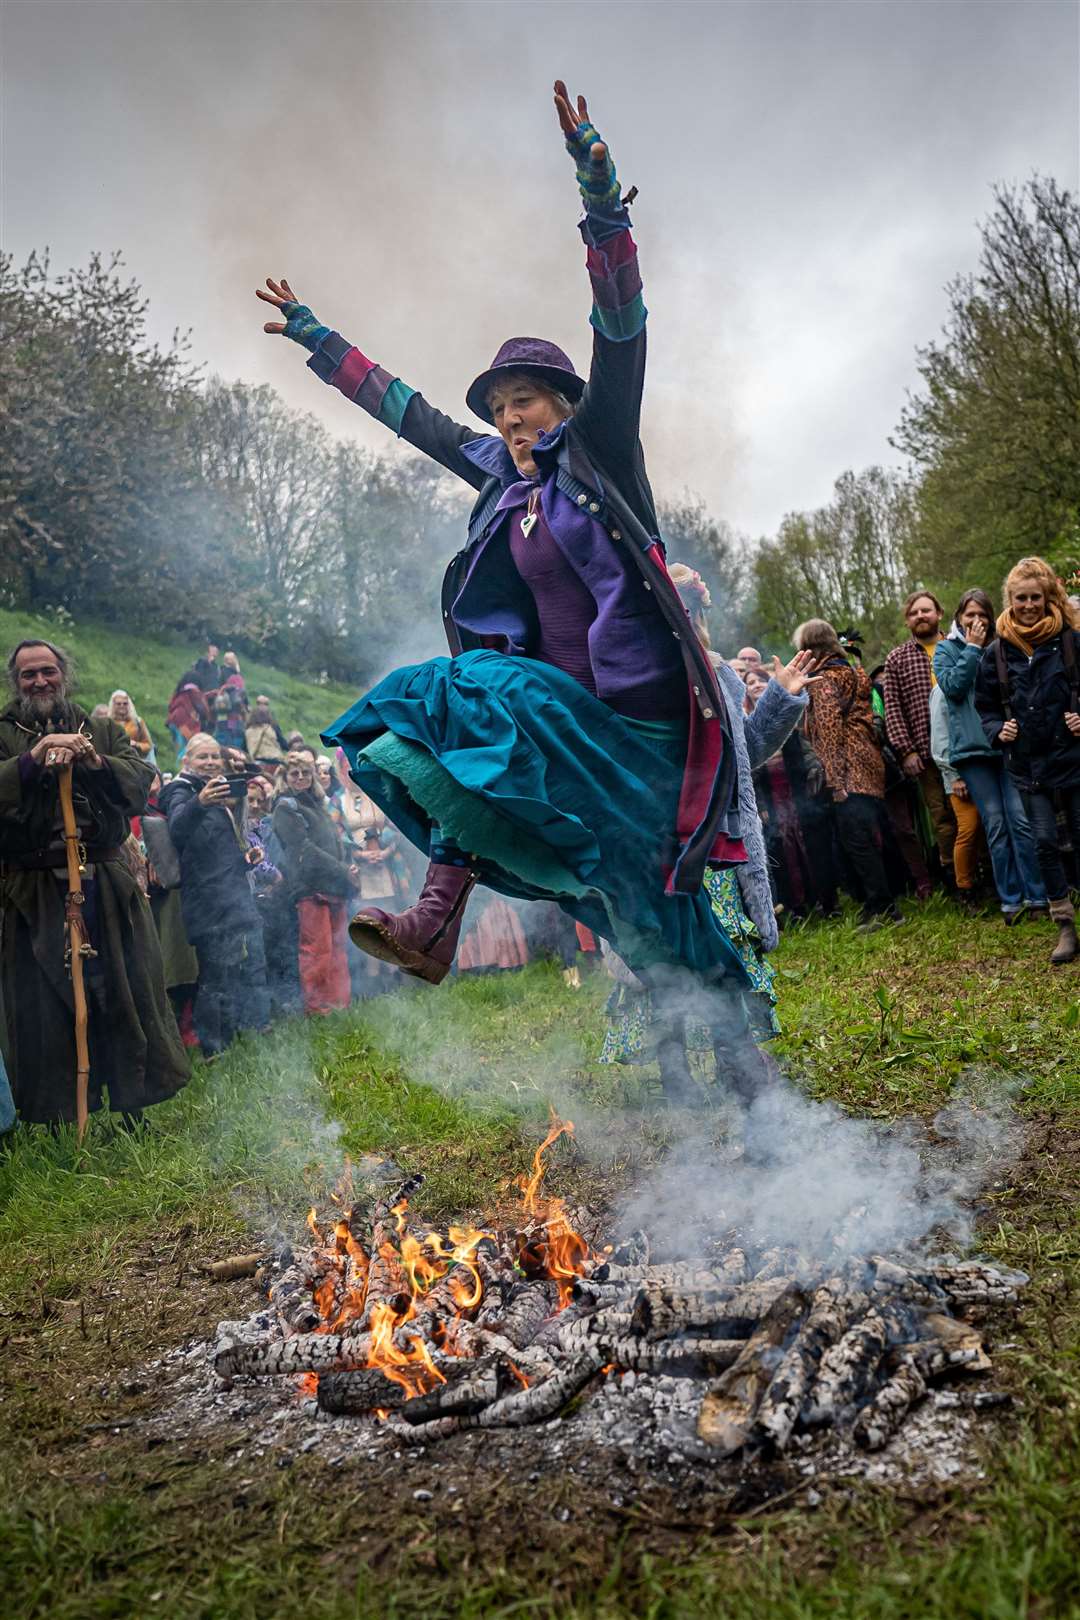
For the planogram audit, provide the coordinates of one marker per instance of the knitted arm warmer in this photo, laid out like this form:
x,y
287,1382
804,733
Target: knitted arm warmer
x,y
302,326
597,182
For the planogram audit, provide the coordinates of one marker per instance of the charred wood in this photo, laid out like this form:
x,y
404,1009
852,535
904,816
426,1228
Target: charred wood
x,y
302,1352
782,1402
357,1393
846,1368
467,1395
543,1400
661,1309
728,1409
881,1418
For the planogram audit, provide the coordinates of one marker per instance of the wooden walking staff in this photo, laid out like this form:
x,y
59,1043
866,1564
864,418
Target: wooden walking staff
x,y
76,949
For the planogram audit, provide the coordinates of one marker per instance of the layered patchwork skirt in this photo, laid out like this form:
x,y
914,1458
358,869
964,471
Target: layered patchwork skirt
x,y
549,793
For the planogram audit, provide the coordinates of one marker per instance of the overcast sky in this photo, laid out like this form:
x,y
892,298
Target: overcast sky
x,y
811,176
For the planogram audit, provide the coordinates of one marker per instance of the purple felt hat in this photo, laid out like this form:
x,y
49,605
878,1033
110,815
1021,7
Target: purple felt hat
x,y
540,359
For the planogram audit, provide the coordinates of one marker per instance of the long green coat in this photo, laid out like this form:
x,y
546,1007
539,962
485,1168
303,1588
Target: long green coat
x,y
135,1050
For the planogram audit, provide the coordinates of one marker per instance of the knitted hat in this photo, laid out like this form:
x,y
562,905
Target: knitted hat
x,y
537,358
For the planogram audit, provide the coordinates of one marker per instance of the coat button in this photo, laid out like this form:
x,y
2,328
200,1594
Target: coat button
x,y
707,713
697,691
581,500
615,534
646,584
594,506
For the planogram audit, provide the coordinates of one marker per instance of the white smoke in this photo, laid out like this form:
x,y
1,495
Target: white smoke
x,y
800,1173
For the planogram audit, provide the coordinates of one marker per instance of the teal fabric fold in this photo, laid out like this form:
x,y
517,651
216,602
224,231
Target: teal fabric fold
x,y
555,795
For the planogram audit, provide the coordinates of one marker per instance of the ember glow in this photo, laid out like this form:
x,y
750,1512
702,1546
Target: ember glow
x,y
405,1302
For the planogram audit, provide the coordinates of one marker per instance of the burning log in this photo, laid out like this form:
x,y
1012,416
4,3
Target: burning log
x,y
728,1410
969,1282
234,1265
529,1307
783,1401
543,1400
292,1296
358,1393
574,1336
881,1418
300,1353
846,1368
467,1395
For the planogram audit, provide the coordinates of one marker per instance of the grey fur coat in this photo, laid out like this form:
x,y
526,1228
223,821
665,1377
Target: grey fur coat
x,y
756,738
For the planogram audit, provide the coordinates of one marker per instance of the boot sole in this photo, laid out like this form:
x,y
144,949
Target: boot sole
x,y
376,941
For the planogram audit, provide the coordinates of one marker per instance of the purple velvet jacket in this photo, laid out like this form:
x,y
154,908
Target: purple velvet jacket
x,y
599,506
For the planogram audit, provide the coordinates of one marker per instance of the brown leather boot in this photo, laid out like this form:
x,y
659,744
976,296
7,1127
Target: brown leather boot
x,y
421,941
1068,946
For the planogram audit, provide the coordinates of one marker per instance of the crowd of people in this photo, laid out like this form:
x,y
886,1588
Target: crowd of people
x,y
583,756
954,764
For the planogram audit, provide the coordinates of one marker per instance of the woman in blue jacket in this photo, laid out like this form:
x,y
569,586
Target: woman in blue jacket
x,y
979,765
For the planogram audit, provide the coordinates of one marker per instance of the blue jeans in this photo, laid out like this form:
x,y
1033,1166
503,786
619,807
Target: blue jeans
x,y
1013,856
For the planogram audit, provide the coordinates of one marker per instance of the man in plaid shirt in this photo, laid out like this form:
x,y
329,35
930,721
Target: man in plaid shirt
x,y
909,679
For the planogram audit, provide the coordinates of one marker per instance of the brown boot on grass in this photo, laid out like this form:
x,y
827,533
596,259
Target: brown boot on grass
x,y
1068,946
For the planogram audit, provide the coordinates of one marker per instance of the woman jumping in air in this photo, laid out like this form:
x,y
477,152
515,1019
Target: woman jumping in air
x,y
576,746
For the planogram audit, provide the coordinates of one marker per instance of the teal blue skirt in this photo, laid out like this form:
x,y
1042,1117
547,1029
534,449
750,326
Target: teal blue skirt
x,y
551,794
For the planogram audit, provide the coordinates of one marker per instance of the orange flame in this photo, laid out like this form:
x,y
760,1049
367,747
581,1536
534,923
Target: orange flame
x,y
531,1186
556,1250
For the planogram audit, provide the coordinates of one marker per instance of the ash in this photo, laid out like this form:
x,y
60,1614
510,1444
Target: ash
x,y
749,1371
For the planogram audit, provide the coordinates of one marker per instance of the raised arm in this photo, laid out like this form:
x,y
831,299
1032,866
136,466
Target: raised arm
x,y
385,397
610,410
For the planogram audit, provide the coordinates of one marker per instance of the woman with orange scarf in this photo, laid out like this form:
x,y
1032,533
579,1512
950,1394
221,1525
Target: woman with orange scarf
x,y
1028,698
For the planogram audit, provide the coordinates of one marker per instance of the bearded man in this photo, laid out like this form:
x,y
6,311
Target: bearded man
x,y
135,1049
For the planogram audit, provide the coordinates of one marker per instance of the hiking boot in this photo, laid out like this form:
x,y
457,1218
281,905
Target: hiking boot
x,y
422,940
1068,946
969,901
1038,913
1011,918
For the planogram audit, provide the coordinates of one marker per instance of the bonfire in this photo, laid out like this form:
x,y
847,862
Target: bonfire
x,y
429,1331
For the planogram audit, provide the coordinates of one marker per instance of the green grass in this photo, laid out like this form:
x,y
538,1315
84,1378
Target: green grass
x,y
149,670
456,1083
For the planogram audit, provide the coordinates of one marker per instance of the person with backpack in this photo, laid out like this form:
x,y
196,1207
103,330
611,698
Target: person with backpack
x,y
1027,694
980,785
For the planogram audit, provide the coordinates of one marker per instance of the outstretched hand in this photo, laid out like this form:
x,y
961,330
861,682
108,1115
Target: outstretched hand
x,y
597,180
300,324
570,121
798,674
279,295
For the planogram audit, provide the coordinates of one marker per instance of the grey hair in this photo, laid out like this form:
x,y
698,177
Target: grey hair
x,y
64,660
816,635
509,378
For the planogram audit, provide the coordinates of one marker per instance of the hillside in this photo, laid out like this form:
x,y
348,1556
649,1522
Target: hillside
x,y
148,668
